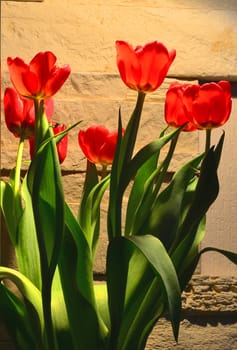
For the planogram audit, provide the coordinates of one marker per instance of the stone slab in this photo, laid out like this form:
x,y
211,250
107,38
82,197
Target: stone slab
x,y
83,34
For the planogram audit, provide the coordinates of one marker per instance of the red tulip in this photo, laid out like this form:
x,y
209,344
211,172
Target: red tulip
x,y
19,114
98,144
39,79
208,105
145,67
175,110
61,145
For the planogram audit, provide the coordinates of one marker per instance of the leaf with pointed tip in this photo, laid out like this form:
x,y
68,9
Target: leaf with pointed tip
x,y
228,254
167,210
13,313
76,257
156,281
11,209
45,186
33,317
27,244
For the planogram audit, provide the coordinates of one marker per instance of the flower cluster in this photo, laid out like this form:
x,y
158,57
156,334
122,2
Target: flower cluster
x,y
41,79
153,248
198,107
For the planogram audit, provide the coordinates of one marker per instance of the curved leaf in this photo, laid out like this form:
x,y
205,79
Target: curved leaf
x,y
31,312
26,287
228,254
123,155
141,280
157,256
27,244
76,257
13,313
89,213
11,209
144,154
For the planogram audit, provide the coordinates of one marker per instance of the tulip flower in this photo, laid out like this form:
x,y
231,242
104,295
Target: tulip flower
x,y
98,144
145,67
39,79
209,105
19,114
175,110
61,145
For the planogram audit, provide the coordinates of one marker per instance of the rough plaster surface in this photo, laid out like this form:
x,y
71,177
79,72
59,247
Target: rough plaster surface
x,y
83,33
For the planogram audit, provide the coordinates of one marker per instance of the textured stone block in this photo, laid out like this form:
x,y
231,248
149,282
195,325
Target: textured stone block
x,y
83,34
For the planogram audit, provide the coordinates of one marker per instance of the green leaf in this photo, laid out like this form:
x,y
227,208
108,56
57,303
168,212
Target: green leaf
x,y
147,184
11,209
45,186
130,135
144,180
157,256
27,244
31,313
89,213
141,280
144,154
186,264
218,149
166,212
101,296
13,314
228,254
76,257
123,154
205,194
59,315
25,286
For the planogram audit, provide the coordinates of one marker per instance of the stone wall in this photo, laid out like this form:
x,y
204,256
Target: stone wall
x,y
82,33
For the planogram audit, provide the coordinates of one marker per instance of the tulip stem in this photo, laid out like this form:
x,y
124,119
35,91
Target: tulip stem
x,y
17,179
39,128
208,140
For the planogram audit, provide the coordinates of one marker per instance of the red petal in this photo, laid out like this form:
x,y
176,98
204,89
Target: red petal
x,y
155,61
42,65
55,80
17,68
128,64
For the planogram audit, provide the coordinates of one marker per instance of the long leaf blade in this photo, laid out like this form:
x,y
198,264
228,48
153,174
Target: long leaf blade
x,y
157,256
153,262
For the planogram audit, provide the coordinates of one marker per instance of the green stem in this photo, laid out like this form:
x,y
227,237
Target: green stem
x,y
132,128
39,129
208,140
17,180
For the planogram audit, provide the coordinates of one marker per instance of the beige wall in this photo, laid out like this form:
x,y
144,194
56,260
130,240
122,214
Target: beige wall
x,y
82,33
